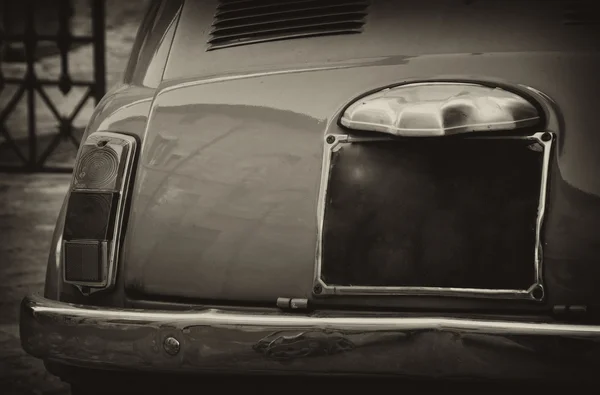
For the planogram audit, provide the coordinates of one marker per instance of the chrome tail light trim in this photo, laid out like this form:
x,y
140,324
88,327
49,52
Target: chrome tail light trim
x,y
113,247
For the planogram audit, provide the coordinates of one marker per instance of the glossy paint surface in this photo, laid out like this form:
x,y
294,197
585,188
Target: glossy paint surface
x,y
123,109
232,216
394,28
225,200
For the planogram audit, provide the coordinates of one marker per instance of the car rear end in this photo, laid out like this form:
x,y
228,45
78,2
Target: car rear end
x,y
256,223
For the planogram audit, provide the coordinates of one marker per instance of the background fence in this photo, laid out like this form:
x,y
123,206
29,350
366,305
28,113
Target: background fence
x,y
29,30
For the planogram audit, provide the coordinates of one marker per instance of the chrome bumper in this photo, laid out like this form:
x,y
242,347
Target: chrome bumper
x,y
223,340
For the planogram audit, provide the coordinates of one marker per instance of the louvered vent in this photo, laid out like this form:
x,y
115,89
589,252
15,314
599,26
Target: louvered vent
x,y
241,22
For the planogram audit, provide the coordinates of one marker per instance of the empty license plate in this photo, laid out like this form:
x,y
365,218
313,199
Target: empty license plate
x,y
435,215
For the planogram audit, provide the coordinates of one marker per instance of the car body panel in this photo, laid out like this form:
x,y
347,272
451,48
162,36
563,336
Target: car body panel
x,y
233,215
125,109
223,217
224,208
394,29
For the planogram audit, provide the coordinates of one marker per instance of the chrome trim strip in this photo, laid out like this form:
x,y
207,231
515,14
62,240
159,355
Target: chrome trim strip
x,y
535,292
244,341
37,306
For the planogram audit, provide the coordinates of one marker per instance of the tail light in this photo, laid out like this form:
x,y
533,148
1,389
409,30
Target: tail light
x,y
95,210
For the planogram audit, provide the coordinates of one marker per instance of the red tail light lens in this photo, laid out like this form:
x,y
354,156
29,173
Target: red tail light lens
x,y
95,210
91,216
85,261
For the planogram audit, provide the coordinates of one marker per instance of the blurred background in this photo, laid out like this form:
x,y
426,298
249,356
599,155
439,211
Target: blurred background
x,y
74,50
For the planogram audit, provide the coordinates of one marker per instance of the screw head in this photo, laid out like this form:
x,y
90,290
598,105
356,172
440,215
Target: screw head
x,y
330,139
171,345
546,136
317,289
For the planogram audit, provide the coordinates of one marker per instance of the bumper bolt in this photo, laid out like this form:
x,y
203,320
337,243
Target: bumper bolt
x,y
546,136
330,139
317,289
171,345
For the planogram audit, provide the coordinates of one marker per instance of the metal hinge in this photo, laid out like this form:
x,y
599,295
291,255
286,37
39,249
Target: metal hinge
x,y
292,303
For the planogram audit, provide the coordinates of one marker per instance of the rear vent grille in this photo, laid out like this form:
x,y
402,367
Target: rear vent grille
x,y
242,22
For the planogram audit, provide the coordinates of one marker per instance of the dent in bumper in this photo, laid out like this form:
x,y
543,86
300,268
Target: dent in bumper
x,y
213,339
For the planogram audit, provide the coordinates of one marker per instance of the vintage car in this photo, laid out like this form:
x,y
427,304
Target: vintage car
x,y
391,188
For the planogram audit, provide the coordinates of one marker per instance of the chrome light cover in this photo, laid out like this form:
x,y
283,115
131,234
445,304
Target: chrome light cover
x,y
432,109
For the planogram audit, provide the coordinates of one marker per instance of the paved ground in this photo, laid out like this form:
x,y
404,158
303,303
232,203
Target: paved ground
x,y
29,204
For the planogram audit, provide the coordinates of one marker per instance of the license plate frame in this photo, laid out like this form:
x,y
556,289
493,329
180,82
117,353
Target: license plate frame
x,y
535,292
